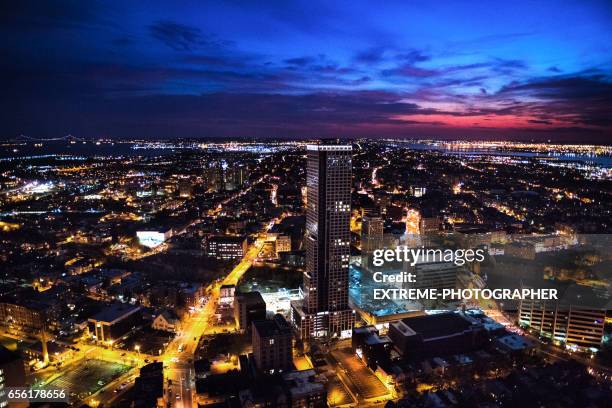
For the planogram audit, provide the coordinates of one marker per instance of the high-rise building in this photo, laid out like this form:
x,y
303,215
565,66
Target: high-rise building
x,y
234,176
272,348
437,274
429,223
282,244
213,176
324,310
185,188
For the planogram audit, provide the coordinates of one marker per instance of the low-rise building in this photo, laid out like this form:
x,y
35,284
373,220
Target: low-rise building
x,y
167,321
26,318
304,390
192,294
225,247
373,349
113,322
438,334
513,344
152,238
227,294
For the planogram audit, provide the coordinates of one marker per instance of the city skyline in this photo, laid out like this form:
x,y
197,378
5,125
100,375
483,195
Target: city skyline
x,y
447,70
306,203
169,273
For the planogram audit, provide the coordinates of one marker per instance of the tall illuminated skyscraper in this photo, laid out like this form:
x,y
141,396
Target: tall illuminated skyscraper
x,y
324,310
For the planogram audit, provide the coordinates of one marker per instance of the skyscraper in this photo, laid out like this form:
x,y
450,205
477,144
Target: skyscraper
x,y
324,310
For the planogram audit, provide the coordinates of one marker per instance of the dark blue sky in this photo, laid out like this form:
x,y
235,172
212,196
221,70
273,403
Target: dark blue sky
x,y
443,69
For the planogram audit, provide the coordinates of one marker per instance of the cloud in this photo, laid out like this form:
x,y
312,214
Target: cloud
x,y
182,37
540,121
409,70
581,99
413,56
371,56
494,67
300,61
313,114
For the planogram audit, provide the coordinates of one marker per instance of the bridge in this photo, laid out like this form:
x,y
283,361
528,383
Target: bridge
x,y
68,138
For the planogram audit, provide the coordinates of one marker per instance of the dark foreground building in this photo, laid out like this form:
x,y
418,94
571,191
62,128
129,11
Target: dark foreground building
x,y
248,307
12,372
439,334
272,345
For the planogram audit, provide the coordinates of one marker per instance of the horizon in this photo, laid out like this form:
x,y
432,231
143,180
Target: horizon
x,y
238,70
268,139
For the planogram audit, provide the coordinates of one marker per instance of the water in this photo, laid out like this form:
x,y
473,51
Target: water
x,y
83,149
596,160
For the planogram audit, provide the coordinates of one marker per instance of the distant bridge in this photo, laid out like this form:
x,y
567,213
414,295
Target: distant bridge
x,y
69,138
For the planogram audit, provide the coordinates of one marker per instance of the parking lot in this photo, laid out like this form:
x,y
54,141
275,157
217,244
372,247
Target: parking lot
x,y
337,394
87,377
359,377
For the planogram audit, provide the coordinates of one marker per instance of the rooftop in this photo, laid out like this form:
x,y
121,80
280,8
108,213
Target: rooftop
x,y
515,342
8,356
114,312
438,325
251,298
234,239
302,382
275,326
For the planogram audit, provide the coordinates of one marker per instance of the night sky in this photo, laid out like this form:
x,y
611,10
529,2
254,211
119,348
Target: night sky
x,y
417,69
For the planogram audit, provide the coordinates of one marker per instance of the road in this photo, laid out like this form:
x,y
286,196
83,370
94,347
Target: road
x,y
178,358
554,352
89,351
